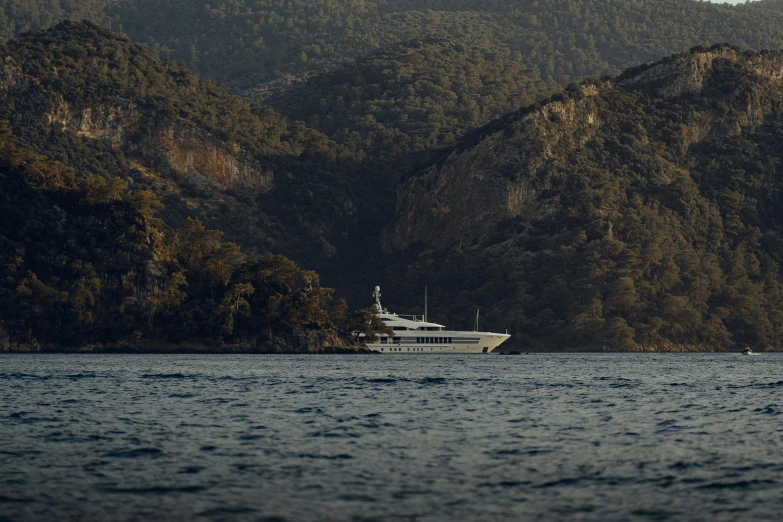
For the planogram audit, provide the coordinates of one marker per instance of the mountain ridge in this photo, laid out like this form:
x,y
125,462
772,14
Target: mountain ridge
x,y
636,213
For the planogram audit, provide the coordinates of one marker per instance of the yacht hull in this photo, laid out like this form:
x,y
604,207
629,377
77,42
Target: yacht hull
x,y
460,342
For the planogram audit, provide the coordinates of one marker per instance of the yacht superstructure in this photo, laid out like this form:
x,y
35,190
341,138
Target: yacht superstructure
x,y
413,334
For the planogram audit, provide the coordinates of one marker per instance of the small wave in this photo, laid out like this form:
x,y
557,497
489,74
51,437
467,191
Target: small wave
x,y
653,514
165,376
252,437
518,452
741,484
409,493
22,500
758,385
670,424
18,375
769,409
341,456
431,381
353,497
24,418
159,490
682,465
561,482
309,409
506,484
134,453
334,435
215,512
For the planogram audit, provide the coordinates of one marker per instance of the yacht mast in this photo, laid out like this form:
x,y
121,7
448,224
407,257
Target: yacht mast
x,y
425,303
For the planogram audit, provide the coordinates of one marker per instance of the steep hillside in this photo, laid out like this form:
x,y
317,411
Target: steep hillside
x,y
87,265
103,106
639,213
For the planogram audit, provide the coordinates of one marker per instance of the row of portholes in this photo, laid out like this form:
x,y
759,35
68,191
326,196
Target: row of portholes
x,y
433,340
415,349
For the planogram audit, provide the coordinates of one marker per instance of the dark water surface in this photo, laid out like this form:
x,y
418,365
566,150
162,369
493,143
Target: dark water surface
x,y
554,437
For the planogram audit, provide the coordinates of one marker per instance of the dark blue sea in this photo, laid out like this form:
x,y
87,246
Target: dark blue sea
x,y
426,438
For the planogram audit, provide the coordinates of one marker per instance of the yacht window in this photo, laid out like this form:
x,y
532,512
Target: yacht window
x,y
398,328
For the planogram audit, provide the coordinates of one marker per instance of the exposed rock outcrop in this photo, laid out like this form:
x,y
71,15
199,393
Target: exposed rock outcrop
x,y
173,142
463,200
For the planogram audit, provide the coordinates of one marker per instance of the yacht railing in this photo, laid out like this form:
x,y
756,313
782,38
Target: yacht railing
x,y
414,318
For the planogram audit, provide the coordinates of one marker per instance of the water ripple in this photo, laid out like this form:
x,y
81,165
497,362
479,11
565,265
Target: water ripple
x,y
589,437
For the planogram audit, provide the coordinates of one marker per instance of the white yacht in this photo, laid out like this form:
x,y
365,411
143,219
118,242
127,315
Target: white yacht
x,y
413,334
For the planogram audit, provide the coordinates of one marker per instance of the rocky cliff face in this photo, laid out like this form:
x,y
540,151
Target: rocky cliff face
x,y
174,142
463,200
687,74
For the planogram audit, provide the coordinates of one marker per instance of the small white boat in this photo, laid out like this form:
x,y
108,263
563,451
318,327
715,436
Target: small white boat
x,y
748,351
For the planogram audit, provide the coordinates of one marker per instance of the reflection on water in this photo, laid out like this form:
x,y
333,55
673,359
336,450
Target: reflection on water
x,y
565,437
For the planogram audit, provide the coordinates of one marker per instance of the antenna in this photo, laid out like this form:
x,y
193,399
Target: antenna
x,y
477,314
425,303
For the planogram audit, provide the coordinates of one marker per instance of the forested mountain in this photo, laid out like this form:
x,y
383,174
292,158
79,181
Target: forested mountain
x,y
87,265
512,52
639,213
250,42
636,213
411,97
103,106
